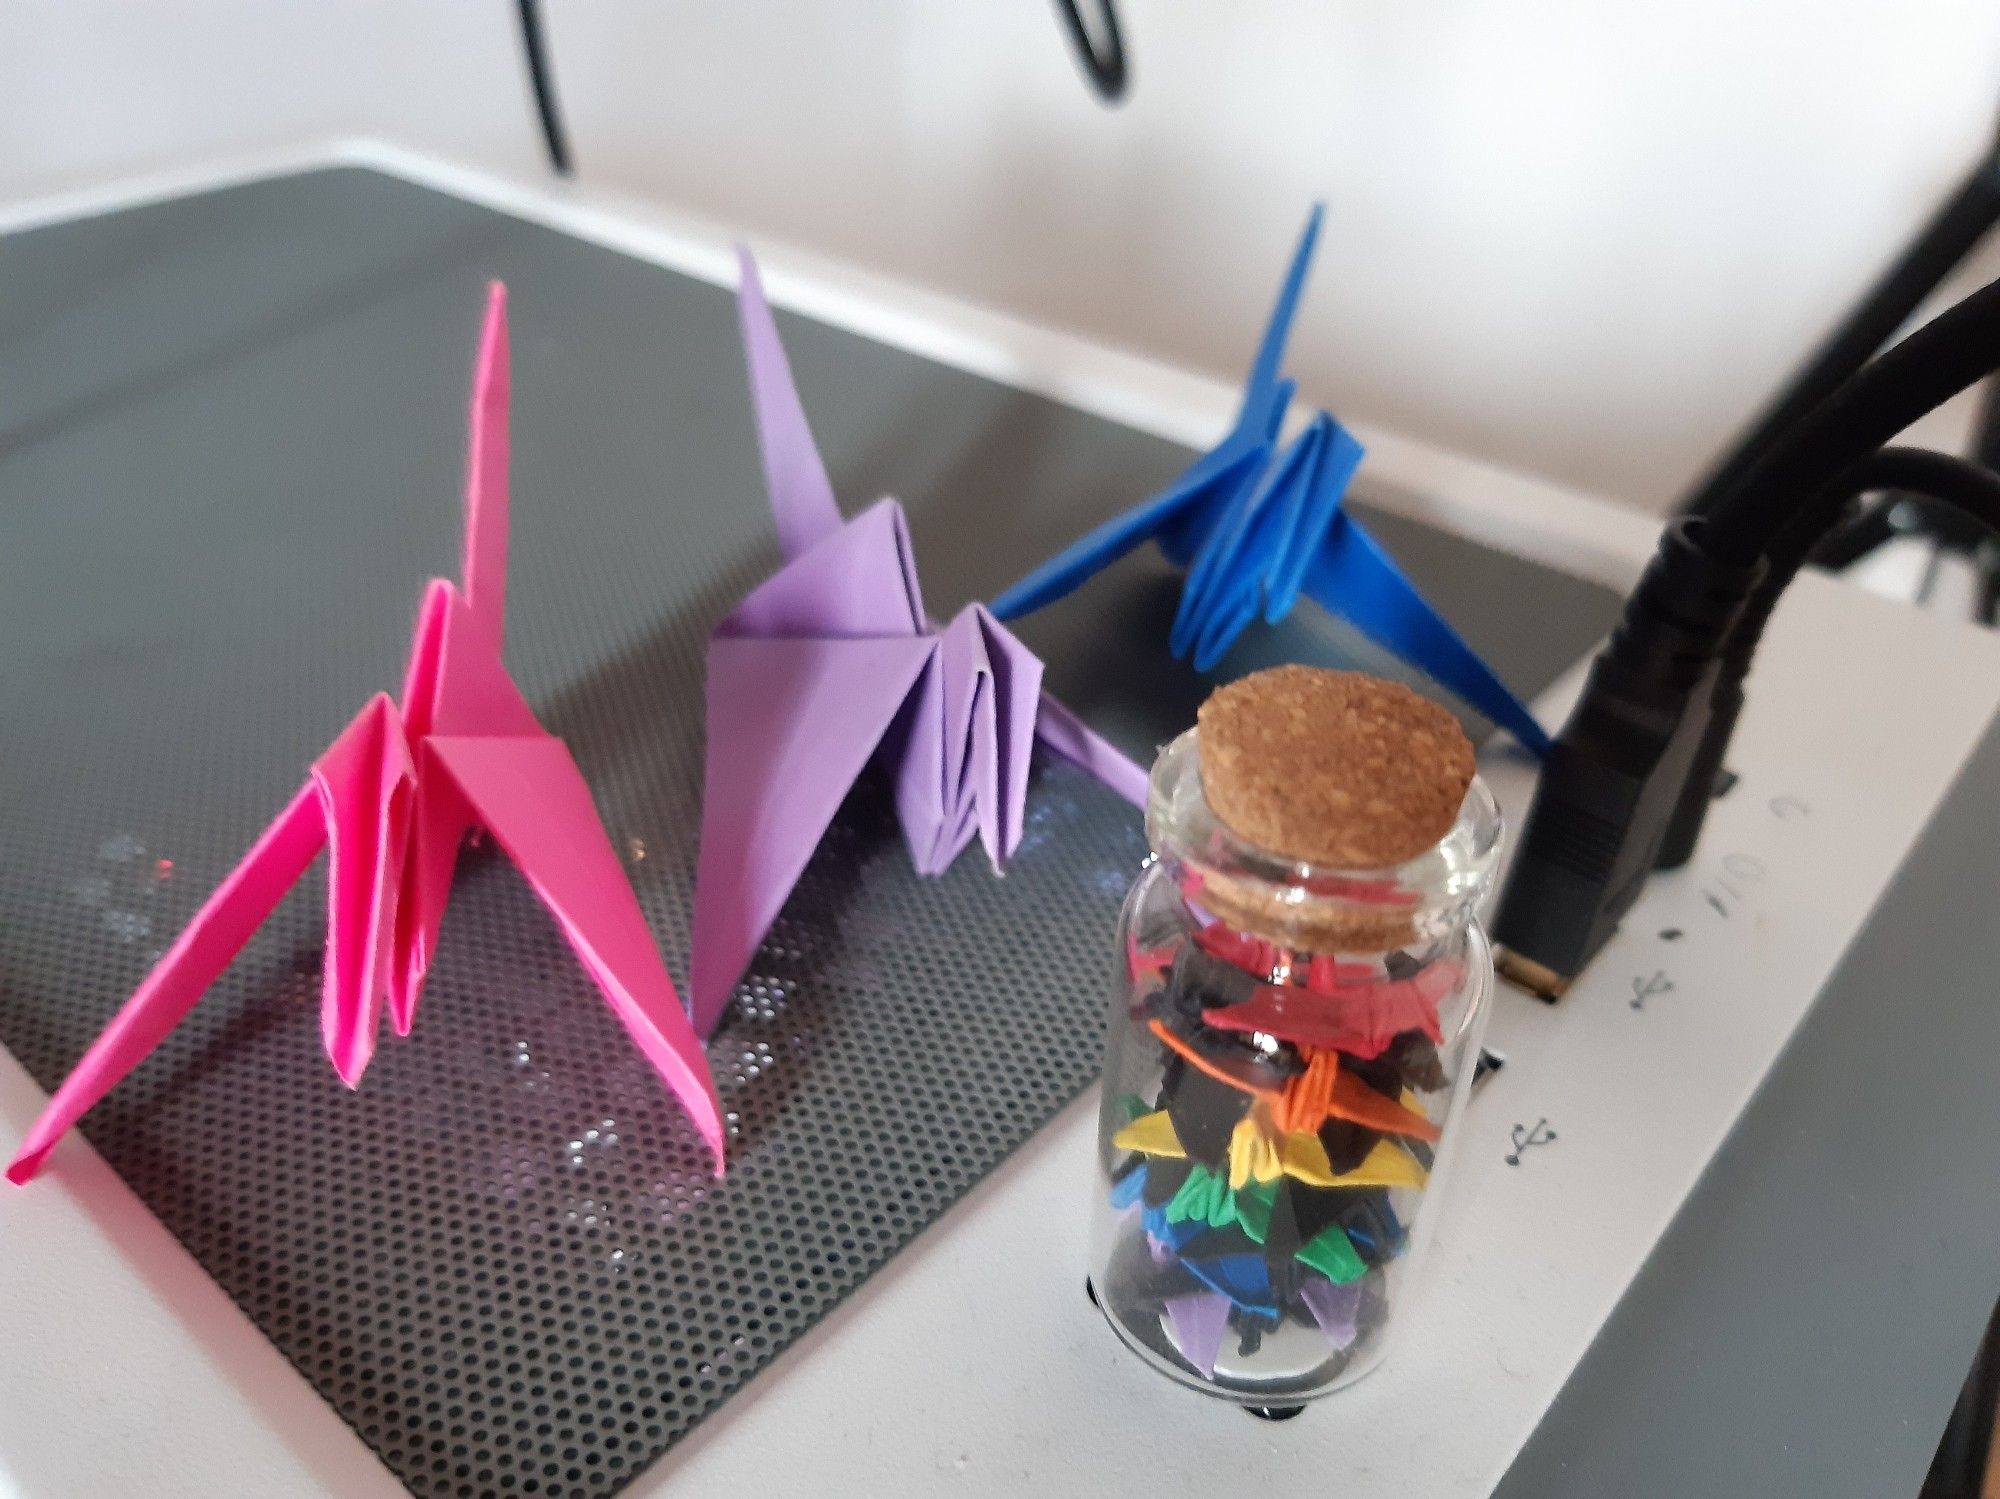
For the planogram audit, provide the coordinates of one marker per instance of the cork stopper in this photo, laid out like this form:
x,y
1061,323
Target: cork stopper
x,y
1332,767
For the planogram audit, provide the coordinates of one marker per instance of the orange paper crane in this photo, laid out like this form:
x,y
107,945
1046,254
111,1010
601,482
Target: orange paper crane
x,y
391,800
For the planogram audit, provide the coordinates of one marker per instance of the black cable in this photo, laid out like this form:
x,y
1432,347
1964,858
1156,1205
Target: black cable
x,y
1966,488
1949,354
1106,68
535,48
1870,527
1964,219
1957,483
1858,534
1986,431
1958,1470
1627,782
1986,562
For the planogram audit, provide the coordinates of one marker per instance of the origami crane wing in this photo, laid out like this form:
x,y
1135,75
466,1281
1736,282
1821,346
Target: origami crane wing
x,y
487,763
366,784
1339,457
1016,691
1197,1322
963,770
1293,535
806,677
792,722
529,794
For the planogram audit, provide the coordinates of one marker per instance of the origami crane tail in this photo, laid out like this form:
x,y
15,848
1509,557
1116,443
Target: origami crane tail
x,y
1081,560
486,471
530,795
802,501
1353,577
226,920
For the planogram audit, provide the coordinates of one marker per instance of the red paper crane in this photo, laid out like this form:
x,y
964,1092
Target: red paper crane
x,y
391,800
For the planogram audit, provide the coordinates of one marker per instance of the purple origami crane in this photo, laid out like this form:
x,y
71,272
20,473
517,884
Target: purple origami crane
x,y
832,662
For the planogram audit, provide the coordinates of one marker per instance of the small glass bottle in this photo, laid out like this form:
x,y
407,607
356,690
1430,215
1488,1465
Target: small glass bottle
x,y
1263,1193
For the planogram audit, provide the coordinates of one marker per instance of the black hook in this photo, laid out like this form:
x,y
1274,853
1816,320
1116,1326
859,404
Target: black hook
x,y
544,86
1105,69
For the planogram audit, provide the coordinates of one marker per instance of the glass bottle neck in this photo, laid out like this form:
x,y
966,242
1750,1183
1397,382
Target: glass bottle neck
x,y
1303,911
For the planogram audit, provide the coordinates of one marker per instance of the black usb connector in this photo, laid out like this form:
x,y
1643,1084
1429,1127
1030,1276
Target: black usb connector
x,y
1627,783
1614,775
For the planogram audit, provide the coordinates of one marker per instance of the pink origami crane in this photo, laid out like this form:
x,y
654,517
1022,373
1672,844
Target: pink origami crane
x,y
831,661
393,798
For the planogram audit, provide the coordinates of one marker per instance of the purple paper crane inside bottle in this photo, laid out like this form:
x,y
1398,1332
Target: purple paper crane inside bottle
x,y
1256,523
832,663
392,800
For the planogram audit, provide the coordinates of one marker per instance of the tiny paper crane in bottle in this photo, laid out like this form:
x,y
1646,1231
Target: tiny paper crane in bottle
x,y
391,800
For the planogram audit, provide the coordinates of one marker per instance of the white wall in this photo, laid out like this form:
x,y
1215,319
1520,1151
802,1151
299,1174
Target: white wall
x,y
91,90
1578,237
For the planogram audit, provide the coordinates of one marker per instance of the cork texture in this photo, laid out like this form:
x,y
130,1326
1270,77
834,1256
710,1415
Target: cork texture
x,y
1332,767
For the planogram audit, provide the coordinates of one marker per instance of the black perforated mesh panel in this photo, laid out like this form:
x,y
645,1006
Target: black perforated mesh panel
x,y
503,1260
230,433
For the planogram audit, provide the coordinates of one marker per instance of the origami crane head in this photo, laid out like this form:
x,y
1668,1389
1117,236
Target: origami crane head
x,y
392,800
833,662
1257,522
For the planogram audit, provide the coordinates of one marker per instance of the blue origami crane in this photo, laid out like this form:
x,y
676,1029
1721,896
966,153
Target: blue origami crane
x,y
1257,523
